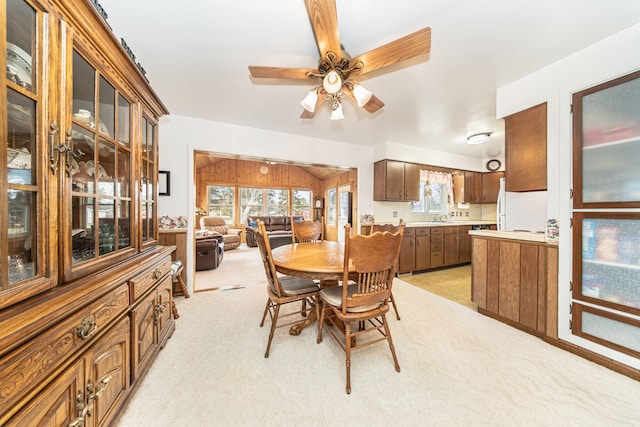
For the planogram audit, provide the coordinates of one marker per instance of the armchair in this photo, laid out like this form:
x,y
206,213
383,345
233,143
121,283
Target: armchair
x,y
216,224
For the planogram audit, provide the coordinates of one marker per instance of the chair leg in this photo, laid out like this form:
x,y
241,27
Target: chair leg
x,y
273,329
320,319
395,308
266,310
347,338
391,347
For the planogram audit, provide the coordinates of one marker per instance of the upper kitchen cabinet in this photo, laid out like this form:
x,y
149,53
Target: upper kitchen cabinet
x,y
606,144
526,150
396,181
491,186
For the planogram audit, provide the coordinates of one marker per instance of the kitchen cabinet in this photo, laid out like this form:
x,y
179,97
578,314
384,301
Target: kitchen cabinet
x,y
450,245
526,150
437,247
481,187
491,186
458,188
396,181
407,257
464,244
423,248
79,220
516,281
606,222
472,187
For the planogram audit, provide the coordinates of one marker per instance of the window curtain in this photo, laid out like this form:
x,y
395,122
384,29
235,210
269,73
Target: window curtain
x,y
439,178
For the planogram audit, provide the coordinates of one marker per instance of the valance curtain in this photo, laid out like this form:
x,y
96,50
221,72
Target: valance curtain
x,y
439,178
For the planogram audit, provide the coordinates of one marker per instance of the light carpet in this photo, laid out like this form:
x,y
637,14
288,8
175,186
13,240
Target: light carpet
x,y
240,266
459,368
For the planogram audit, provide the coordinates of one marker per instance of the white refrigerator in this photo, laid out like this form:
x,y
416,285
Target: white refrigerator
x,y
521,211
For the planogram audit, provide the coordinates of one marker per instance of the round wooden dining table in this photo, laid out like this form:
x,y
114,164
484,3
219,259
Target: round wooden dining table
x,y
322,261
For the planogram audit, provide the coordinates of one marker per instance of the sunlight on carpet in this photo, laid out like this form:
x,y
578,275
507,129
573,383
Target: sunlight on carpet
x,y
451,283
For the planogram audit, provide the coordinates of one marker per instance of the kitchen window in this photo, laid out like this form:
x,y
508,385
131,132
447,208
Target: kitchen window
x,y
436,193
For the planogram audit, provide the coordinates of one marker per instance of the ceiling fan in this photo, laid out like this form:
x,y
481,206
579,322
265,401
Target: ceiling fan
x,y
336,67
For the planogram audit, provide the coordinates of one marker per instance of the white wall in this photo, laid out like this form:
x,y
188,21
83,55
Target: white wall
x,y
180,136
603,61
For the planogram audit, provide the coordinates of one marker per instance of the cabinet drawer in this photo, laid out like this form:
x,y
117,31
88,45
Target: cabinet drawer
x,y
423,231
143,282
450,230
30,364
436,238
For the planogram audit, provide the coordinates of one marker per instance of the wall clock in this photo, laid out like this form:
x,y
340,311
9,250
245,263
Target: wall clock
x,y
493,165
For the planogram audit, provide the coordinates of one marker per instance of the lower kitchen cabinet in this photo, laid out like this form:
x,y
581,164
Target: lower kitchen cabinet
x,y
437,247
516,281
407,257
424,248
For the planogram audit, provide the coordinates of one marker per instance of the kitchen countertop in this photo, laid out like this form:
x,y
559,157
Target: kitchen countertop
x,y
513,235
446,223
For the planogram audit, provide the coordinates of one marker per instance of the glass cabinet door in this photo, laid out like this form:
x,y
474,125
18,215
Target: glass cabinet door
x,y
23,266
607,144
149,178
98,167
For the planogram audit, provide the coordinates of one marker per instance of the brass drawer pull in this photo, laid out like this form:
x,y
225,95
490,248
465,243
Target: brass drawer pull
x,y
157,273
87,328
159,309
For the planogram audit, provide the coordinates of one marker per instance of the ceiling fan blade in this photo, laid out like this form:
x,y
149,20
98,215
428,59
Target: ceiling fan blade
x,y
324,21
306,114
404,48
280,72
372,106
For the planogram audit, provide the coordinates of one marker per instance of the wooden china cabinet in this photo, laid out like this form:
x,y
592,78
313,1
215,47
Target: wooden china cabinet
x,y
85,288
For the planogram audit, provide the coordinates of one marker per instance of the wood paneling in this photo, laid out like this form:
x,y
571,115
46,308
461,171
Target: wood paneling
x,y
509,299
479,272
529,285
493,275
552,293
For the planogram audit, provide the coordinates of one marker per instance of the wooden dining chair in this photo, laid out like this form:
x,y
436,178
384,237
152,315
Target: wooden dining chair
x,y
392,229
282,290
362,304
306,231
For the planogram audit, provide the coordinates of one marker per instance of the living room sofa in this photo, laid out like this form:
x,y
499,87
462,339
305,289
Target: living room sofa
x,y
276,225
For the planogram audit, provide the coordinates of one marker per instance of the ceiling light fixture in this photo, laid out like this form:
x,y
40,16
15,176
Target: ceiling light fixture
x,y
479,138
335,81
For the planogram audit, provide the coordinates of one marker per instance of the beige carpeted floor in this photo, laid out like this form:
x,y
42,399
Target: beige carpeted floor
x,y
459,368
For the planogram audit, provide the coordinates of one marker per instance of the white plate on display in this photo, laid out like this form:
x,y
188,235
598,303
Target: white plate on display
x,y
18,65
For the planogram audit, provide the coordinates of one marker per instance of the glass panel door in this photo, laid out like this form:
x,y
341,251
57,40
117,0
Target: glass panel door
x,y
149,176
607,144
99,166
23,234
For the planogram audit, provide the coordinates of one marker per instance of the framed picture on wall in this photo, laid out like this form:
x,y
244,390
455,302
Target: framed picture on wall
x,y
164,183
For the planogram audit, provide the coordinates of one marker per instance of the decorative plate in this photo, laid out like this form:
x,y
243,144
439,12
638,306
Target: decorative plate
x,y
18,65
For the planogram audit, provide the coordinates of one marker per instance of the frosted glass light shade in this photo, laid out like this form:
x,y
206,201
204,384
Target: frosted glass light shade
x,y
336,114
361,94
332,82
479,138
309,101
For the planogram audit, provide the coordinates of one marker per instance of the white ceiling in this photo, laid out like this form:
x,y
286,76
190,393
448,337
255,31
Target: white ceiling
x,y
196,54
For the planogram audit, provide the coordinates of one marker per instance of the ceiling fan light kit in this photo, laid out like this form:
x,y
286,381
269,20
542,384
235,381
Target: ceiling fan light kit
x,y
335,68
309,101
479,138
